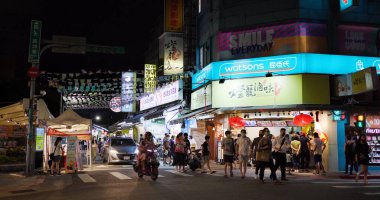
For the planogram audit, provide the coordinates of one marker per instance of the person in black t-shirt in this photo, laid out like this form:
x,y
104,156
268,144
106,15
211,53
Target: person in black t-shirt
x,y
206,155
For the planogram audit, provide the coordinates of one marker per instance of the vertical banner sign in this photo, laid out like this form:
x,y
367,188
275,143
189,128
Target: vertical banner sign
x,y
173,53
34,41
71,151
40,132
128,92
150,81
173,15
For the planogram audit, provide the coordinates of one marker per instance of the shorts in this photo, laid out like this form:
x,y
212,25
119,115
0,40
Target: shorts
x,y
206,158
243,158
57,158
228,159
317,158
363,161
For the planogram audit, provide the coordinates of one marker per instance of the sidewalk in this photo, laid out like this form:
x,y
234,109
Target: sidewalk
x,y
16,183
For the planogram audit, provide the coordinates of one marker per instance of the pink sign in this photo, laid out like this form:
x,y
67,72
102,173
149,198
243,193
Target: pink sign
x,y
279,123
264,123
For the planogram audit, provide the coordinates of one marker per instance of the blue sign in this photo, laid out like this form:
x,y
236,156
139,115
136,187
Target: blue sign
x,y
285,64
345,4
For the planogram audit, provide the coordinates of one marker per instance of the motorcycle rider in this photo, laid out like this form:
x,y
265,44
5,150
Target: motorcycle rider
x,y
144,144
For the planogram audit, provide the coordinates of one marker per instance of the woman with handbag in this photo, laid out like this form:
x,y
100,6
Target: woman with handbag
x,y
57,156
180,152
362,156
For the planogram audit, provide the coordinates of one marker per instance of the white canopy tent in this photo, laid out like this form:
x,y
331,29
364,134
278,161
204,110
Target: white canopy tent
x,y
69,123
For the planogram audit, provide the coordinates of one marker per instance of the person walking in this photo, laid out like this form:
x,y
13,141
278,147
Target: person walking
x,y
349,151
280,146
172,149
304,153
187,148
57,157
180,155
296,147
264,154
228,152
362,155
166,150
242,151
206,155
317,148
94,147
254,145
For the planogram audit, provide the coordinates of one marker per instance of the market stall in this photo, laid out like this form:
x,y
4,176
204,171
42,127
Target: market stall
x,y
72,128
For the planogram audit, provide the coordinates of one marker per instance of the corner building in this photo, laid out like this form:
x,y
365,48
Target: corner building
x,y
264,63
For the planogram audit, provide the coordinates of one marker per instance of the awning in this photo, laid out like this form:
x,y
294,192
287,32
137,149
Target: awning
x,y
198,112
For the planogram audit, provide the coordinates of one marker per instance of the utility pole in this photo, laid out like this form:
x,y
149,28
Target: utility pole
x,y
33,72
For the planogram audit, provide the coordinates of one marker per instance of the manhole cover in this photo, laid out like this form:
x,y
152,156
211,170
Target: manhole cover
x,y
21,191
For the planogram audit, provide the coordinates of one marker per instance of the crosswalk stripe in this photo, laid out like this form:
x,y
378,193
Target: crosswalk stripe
x,y
86,178
355,186
160,176
178,173
342,182
120,176
372,193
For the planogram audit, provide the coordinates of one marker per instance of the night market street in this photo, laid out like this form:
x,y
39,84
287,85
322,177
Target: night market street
x,y
121,182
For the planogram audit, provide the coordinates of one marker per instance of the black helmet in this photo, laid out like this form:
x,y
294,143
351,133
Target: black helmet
x,y
148,135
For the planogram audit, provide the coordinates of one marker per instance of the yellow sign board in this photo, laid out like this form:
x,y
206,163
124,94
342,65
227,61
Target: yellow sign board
x,y
150,81
173,15
271,91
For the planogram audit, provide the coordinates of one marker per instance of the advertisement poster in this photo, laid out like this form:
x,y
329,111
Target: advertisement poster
x,y
173,15
272,40
161,96
173,53
265,91
201,98
356,83
359,40
71,151
40,133
128,92
150,81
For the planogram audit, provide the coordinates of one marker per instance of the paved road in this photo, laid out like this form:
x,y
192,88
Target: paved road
x,y
120,182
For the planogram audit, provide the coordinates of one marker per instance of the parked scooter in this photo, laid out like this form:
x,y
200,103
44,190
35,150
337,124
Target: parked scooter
x,y
151,164
195,160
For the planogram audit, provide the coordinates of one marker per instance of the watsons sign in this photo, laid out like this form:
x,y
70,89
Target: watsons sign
x,y
284,65
258,66
272,40
161,96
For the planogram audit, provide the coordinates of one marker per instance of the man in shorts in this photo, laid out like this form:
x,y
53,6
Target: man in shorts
x,y
243,145
228,147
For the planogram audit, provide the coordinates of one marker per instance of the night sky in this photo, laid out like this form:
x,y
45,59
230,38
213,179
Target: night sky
x,y
105,22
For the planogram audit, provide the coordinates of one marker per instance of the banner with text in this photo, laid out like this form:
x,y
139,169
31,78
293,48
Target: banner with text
x,y
150,80
169,93
173,53
356,83
272,40
201,98
173,15
271,91
128,92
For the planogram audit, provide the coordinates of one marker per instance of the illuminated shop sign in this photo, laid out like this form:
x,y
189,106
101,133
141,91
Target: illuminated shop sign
x,y
347,4
301,63
161,96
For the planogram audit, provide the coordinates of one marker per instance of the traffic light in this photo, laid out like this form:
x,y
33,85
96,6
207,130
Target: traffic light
x,y
360,120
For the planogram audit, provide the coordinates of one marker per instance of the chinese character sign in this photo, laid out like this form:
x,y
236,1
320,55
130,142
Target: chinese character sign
x,y
173,54
150,81
128,92
173,15
34,43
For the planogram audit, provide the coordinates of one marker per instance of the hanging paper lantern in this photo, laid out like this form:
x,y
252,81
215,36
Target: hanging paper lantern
x,y
302,120
236,121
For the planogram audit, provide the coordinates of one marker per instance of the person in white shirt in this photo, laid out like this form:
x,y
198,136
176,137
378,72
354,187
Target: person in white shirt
x,y
280,145
317,148
193,143
243,145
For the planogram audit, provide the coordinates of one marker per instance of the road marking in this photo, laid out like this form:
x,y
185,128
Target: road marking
x,y
86,178
343,182
120,176
160,176
372,193
178,173
355,186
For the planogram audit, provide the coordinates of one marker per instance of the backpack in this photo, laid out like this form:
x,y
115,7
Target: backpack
x,y
350,149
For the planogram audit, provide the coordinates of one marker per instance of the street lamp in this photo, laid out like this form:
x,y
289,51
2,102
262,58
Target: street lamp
x,y
97,118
